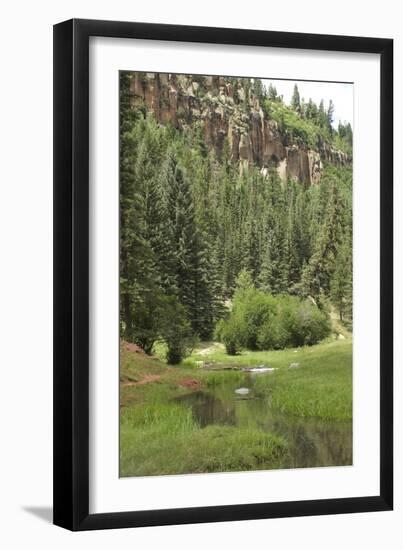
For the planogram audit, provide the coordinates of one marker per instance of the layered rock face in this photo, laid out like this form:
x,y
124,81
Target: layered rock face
x,y
222,110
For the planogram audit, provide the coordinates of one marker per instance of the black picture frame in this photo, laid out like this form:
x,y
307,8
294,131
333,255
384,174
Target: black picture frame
x,y
71,274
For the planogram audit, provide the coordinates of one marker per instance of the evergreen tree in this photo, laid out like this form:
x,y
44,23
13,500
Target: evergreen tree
x,y
295,100
258,89
330,116
266,274
322,115
317,274
341,285
272,93
311,111
135,253
277,237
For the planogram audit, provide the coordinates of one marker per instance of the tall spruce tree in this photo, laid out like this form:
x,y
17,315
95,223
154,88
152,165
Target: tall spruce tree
x,y
330,116
295,100
135,253
341,284
272,92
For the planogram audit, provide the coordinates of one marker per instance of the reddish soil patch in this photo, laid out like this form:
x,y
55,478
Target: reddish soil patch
x,y
132,347
191,383
147,378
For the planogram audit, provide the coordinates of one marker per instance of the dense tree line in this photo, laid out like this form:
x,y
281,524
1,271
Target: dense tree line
x,y
190,223
313,123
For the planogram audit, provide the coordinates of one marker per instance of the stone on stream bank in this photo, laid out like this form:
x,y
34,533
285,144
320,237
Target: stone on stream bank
x,y
223,366
242,391
261,368
294,366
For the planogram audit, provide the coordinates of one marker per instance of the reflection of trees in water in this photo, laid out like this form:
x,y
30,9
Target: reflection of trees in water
x,y
313,442
321,444
208,409
305,446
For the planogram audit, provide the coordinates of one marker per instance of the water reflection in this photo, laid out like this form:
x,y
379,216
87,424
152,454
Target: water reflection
x,y
313,442
208,409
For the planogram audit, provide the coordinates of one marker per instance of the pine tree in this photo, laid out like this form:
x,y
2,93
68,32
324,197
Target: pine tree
x,y
295,100
188,269
277,236
258,89
322,115
272,92
266,274
330,116
135,254
341,285
317,274
295,233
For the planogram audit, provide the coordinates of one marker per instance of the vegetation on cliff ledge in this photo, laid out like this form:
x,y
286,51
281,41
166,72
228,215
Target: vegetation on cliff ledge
x,y
305,123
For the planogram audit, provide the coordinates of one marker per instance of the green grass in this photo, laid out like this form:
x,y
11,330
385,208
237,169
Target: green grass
x,y
218,378
321,387
177,445
276,359
160,436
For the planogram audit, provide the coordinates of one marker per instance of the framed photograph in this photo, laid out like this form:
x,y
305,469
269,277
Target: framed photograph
x,y
223,320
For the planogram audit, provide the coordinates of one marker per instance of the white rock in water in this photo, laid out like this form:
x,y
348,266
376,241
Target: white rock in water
x,y
242,391
262,369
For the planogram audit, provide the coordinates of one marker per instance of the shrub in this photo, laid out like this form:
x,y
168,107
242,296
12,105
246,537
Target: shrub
x,y
231,345
176,331
232,335
256,309
262,321
175,353
305,323
219,330
273,335
230,332
180,346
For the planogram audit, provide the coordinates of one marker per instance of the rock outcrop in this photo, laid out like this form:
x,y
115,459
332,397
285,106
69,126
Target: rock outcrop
x,y
220,107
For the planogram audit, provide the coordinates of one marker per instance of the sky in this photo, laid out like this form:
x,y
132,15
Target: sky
x,y
341,95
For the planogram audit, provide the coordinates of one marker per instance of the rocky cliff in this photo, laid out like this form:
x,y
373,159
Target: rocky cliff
x,y
226,108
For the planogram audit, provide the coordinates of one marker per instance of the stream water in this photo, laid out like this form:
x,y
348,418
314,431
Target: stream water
x,y
313,442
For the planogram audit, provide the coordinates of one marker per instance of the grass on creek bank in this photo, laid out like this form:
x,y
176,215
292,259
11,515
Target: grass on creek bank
x,y
164,439
160,436
321,387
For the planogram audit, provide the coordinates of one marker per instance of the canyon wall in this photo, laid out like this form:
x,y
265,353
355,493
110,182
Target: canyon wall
x,y
221,108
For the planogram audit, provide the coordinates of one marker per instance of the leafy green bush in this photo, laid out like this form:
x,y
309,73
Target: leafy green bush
x,y
273,335
260,321
231,335
304,323
253,310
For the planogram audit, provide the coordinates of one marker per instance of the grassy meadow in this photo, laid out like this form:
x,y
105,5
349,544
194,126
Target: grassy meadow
x,y
159,434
